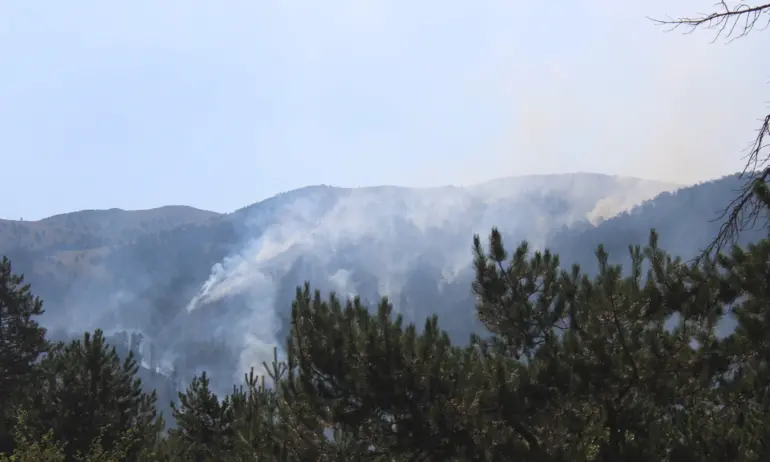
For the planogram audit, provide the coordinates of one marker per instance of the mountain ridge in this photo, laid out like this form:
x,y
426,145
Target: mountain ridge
x,y
315,187
96,228
223,284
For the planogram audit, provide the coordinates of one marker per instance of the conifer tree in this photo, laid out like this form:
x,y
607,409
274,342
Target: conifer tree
x,y
48,449
261,421
402,393
204,423
22,341
586,368
87,394
626,365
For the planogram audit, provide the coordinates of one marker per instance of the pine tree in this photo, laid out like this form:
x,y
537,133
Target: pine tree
x,y
626,365
586,369
204,430
400,393
737,366
261,421
87,393
22,341
48,449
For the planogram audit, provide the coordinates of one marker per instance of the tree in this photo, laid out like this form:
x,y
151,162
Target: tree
x,y
628,367
87,394
740,362
261,423
615,367
401,393
580,368
732,21
47,449
204,423
22,341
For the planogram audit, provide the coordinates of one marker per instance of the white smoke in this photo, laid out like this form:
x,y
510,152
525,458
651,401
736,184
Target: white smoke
x,y
299,230
392,228
607,207
613,205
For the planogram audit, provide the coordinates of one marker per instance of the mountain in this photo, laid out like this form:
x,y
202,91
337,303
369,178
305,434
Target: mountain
x,y
90,229
210,291
687,221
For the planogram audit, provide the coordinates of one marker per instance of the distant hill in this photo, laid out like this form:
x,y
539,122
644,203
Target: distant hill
x,y
90,229
687,220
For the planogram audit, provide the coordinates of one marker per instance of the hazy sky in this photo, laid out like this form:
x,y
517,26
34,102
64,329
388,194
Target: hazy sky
x,y
219,104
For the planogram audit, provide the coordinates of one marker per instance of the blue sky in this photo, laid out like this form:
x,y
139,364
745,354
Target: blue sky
x,y
218,104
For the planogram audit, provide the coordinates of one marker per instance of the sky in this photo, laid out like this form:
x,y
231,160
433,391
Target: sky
x,y
220,104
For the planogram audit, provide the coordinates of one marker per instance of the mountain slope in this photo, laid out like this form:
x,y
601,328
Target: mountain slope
x,y
215,293
687,220
95,228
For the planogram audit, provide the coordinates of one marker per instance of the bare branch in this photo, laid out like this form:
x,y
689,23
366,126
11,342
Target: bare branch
x,y
730,22
744,211
733,22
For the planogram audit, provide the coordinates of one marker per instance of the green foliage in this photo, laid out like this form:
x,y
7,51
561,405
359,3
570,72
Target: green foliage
x,y
205,424
22,341
48,449
260,421
377,380
611,367
86,393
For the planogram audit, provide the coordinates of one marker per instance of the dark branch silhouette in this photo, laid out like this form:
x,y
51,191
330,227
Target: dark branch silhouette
x,y
730,22
743,212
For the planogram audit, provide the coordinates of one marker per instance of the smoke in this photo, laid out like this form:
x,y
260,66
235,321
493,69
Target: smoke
x,y
625,200
381,241
606,208
304,228
385,232
597,86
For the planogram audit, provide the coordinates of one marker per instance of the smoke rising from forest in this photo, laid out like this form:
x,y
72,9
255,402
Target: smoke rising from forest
x,y
420,94
393,229
657,112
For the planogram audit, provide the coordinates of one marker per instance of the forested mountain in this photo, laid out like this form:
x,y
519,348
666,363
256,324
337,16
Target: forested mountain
x,y
141,273
687,219
93,229
527,358
408,244
238,272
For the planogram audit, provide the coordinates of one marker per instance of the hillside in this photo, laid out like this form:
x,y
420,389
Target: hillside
x,y
214,293
88,229
687,220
